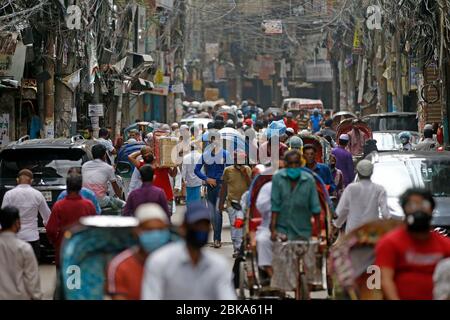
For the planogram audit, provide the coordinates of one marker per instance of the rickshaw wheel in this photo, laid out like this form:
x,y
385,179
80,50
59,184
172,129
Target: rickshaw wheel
x,y
242,278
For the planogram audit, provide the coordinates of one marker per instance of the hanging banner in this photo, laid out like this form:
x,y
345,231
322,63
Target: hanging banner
x,y
357,39
73,80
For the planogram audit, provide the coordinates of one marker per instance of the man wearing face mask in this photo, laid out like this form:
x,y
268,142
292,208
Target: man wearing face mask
x,y
294,201
125,271
409,254
184,270
236,180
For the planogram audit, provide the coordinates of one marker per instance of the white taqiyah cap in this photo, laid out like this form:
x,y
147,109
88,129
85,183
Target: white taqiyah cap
x,y
364,168
344,137
428,127
149,211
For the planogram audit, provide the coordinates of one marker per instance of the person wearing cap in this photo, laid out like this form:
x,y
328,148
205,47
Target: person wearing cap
x,y
126,270
236,180
184,270
230,124
295,143
405,139
363,201
19,276
290,122
192,181
408,255
428,143
215,159
67,212
147,193
316,121
344,159
30,203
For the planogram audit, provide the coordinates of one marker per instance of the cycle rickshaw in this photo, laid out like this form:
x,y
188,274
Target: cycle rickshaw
x,y
252,281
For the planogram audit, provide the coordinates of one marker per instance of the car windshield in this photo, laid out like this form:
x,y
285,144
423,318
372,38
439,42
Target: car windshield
x,y
46,164
388,141
380,123
393,176
396,177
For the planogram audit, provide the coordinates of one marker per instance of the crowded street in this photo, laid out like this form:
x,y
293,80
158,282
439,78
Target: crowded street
x,y
247,151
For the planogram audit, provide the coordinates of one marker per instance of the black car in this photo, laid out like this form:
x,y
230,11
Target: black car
x,y
398,171
49,160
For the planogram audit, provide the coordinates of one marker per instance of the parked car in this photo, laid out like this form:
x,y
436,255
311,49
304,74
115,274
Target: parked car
x,y
49,160
399,121
390,140
399,171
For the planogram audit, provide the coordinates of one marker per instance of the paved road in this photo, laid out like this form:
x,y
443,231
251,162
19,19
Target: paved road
x,y
48,272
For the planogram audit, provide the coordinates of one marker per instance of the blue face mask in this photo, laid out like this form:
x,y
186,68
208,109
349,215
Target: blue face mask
x,y
294,173
197,239
153,240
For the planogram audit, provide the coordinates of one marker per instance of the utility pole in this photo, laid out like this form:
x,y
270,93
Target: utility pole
x,y
380,68
398,72
49,88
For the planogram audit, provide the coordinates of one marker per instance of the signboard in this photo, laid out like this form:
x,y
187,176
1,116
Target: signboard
x,y
161,89
4,129
95,110
272,26
211,94
319,72
95,123
178,88
197,85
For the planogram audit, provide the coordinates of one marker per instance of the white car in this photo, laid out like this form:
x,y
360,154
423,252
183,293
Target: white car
x,y
190,122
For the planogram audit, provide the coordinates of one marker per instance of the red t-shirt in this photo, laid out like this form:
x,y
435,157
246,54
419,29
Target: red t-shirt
x,y
413,261
125,273
291,124
161,180
65,213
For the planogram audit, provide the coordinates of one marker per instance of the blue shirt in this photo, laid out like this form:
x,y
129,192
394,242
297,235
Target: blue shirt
x,y
324,172
315,120
86,194
214,165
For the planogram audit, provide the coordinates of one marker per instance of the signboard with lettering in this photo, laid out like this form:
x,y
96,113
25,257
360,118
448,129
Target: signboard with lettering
x,y
95,110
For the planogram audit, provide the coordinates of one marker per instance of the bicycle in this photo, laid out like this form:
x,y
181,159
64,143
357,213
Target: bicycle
x,y
302,290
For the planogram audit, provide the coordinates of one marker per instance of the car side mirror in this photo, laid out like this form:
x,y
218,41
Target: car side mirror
x,y
123,167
